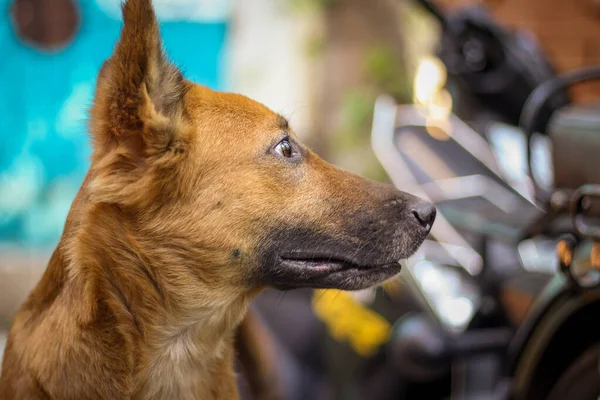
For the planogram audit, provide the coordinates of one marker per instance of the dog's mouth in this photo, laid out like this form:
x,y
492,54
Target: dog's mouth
x,y
333,271
327,263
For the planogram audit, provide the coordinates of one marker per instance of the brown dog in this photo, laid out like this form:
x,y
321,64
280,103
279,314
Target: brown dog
x,y
195,201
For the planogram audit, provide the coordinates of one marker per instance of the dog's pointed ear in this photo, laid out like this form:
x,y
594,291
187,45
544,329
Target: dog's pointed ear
x,y
138,104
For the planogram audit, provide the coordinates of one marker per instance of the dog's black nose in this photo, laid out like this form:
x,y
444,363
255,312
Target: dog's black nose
x,y
424,212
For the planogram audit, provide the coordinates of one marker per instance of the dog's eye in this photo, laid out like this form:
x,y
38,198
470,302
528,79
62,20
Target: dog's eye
x,y
285,149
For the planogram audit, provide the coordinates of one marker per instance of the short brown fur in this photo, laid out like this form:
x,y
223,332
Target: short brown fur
x,y
176,228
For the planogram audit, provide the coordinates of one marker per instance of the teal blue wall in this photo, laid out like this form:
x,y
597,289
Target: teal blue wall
x,y
44,146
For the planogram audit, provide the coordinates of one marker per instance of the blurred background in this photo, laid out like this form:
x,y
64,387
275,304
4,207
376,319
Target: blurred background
x,y
432,97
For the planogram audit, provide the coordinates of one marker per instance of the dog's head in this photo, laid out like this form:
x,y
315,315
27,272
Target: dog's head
x,y
221,184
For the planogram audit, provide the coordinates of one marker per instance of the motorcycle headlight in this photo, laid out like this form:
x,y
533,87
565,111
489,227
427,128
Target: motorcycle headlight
x,y
450,294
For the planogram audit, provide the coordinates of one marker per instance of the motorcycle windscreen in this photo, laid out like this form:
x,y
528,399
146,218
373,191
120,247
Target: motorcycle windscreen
x,y
458,170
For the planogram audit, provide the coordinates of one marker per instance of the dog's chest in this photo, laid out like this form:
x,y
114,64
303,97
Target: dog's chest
x,y
182,369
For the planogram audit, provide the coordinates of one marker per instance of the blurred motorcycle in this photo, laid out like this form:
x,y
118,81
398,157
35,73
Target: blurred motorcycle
x,y
509,280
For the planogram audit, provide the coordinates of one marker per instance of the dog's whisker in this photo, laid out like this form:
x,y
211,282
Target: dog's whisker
x,y
280,300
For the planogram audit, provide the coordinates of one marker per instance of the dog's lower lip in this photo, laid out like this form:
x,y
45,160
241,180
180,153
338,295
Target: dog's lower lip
x,y
329,263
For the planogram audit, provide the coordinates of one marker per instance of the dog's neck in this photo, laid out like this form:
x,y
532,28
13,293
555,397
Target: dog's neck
x,y
182,337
